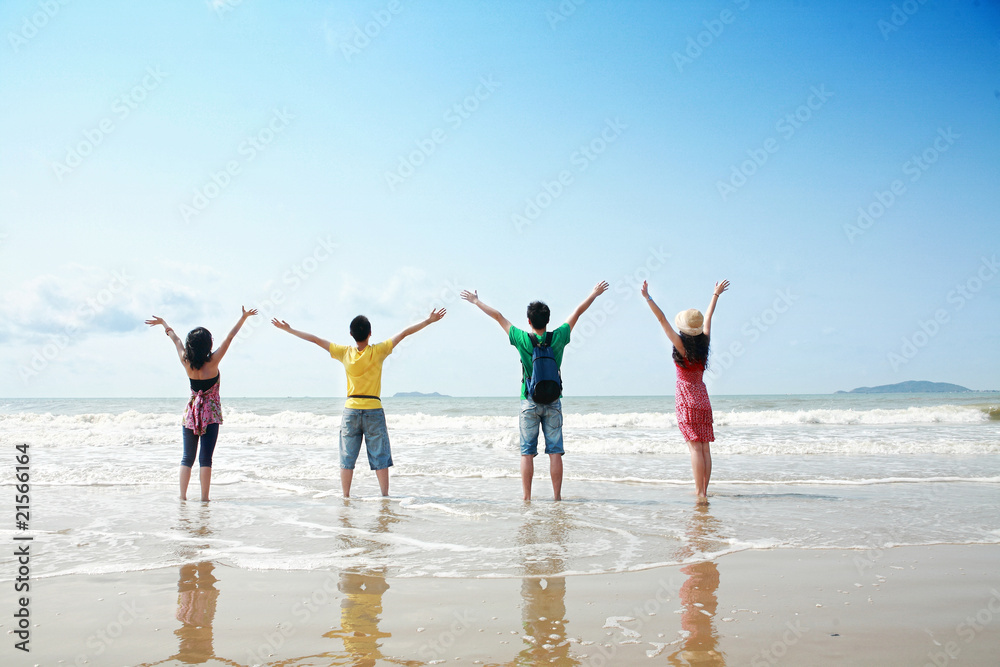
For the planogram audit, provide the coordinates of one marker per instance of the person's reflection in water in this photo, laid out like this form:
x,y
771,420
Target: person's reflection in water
x,y
196,521
360,613
361,607
698,596
543,597
196,601
197,598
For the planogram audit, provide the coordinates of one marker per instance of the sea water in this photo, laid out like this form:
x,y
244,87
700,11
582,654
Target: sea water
x,y
850,471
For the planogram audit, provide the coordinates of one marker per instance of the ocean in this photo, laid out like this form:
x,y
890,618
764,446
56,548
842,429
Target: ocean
x,y
848,471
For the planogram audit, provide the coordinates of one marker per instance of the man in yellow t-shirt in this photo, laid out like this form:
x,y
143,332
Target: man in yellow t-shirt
x,y
363,414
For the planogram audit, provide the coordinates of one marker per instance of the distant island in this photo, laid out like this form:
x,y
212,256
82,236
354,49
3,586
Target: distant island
x,y
418,394
909,387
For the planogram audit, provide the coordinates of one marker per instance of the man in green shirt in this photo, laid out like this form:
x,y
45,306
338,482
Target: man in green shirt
x,y
533,415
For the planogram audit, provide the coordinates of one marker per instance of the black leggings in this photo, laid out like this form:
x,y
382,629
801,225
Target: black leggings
x,y
207,446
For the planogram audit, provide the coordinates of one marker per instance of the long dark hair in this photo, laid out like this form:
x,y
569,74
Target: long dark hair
x,y
696,348
198,347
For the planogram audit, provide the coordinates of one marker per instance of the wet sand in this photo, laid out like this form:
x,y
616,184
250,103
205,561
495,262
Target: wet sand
x,y
937,605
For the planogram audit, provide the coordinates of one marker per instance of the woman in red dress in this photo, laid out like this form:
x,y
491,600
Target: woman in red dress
x,y
694,411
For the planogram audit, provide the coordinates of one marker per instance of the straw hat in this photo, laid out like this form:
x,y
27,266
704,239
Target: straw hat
x,y
690,322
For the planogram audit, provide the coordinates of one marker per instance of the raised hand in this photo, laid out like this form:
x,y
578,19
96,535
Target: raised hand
x,y
601,288
156,320
721,287
436,315
248,313
281,324
471,297
645,290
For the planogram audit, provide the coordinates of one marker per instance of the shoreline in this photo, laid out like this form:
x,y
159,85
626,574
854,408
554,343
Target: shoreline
x,y
886,606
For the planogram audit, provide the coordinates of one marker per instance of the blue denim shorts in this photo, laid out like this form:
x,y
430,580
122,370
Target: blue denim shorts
x,y
550,418
371,425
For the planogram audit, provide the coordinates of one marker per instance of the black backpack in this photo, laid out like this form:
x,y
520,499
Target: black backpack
x,y
544,385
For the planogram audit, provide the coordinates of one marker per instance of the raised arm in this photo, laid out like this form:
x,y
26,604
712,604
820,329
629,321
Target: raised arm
x,y
716,293
599,289
284,326
473,298
154,321
221,351
674,337
431,319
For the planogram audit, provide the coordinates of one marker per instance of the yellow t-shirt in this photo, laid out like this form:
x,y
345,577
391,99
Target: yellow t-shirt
x,y
364,372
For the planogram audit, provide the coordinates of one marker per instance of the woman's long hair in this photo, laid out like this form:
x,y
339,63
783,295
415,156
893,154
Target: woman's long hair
x,y
696,348
198,347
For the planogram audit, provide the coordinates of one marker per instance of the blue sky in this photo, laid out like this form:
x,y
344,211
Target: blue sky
x,y
182,159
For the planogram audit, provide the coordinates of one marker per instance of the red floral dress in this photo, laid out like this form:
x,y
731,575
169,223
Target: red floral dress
x,y
694,411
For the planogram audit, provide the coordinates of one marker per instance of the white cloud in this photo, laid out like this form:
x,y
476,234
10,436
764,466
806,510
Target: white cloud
x,y
400,294
80,301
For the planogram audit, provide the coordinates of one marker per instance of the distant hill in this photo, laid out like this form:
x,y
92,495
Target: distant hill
x,y
418,394
909,387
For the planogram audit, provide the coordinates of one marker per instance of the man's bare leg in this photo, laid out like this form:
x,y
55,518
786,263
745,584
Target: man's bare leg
x,y
185,479
527,472
205,476
346,477
383,480
556,471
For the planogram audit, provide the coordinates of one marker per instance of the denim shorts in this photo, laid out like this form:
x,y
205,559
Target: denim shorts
x,y
370,424
551,420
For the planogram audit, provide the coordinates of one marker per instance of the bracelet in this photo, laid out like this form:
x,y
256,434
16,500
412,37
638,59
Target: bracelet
x,y
168,331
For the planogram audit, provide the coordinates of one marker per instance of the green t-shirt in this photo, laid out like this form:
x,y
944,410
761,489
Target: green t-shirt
x,y
520,339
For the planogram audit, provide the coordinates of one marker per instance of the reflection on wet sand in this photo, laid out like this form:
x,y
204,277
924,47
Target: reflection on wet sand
x,y
197,596
698,596
361,606
360,613
543,598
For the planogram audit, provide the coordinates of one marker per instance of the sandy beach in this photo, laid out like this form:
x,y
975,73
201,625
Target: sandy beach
x,y
936,605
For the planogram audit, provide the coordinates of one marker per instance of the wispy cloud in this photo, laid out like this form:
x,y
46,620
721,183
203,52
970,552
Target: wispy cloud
x,y
80,301
397,295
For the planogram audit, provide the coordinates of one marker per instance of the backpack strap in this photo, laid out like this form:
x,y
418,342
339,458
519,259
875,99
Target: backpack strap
x,y
548,339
